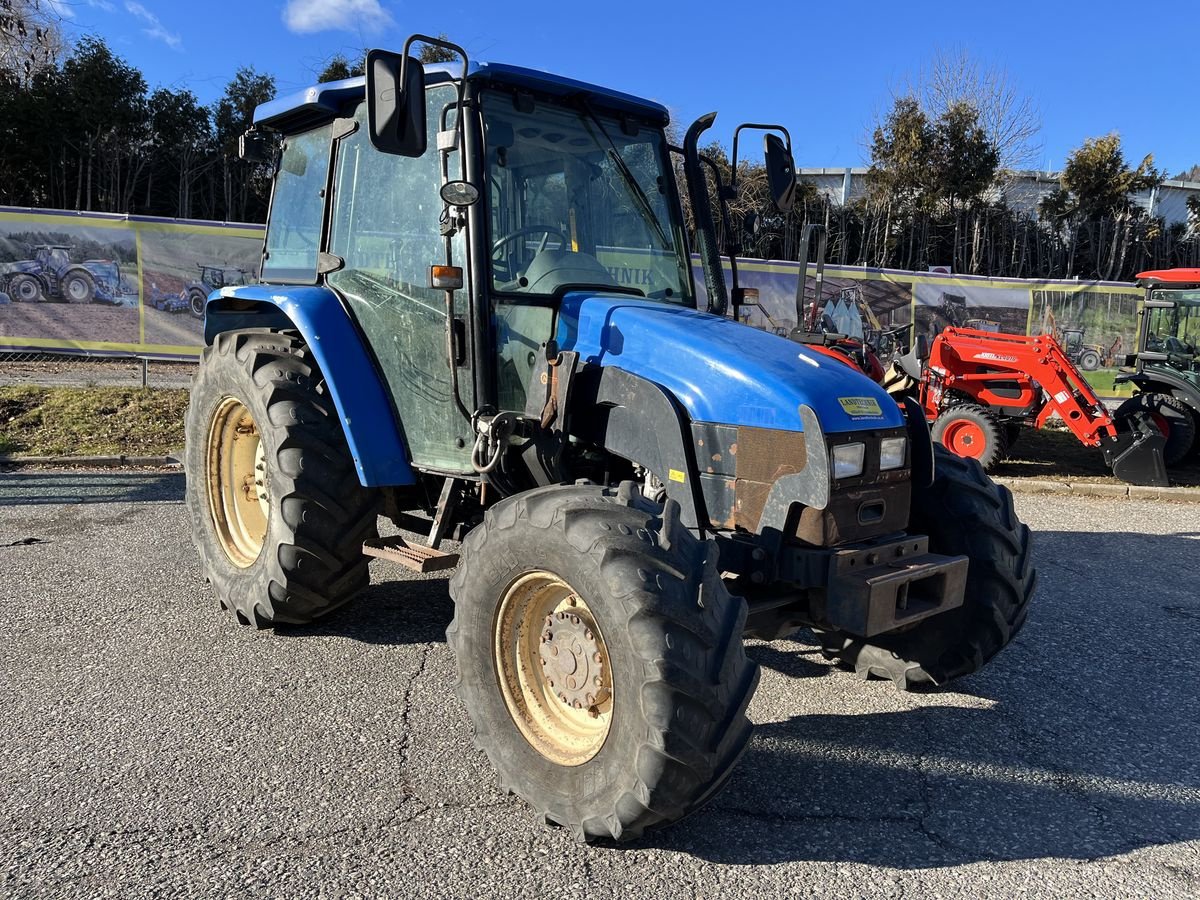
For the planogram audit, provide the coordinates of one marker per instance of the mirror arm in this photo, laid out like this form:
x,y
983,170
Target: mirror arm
x,y
809,322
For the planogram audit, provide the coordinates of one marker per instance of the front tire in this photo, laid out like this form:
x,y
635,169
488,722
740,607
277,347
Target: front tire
x,y
277,513
656,718
1170,415
963,512
26,289
971,431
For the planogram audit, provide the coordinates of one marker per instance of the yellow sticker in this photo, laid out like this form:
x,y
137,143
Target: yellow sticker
x,y
675,475
860,406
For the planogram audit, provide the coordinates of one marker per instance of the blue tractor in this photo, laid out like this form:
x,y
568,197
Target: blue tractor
x,y
478,320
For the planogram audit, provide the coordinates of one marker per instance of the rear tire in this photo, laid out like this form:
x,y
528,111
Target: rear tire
x,y
1089,360
963,512
971,431
679,680
1173,418
196,300
78,286
276,509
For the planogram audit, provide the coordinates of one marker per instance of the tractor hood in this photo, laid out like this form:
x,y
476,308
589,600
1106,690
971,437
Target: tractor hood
x,y
719,370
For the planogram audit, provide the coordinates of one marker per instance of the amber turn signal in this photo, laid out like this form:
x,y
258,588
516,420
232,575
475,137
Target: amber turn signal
x,y
445,278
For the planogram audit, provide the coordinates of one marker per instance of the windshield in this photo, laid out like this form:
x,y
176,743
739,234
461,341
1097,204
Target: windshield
x,y
578,197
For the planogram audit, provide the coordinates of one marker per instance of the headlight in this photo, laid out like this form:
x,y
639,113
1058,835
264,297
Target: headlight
x,y
848,460
891,453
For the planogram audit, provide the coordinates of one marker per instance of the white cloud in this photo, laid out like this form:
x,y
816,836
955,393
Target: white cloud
x,y
60,9
102,5
154,28
308,16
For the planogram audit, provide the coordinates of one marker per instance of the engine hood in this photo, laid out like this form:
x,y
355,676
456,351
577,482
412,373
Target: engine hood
x,y
719,370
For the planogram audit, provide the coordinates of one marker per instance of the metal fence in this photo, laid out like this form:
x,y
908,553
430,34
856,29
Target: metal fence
x,y
60,369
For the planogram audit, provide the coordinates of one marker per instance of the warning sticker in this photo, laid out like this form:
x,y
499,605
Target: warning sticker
x,y
860,406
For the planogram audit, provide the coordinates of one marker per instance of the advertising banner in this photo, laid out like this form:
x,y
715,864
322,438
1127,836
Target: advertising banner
x,y
1096,322
97,283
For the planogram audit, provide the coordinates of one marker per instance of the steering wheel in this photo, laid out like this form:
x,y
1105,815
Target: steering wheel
x,y
544,230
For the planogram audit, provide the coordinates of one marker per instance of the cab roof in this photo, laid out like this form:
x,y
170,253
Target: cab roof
x,y
311,106
1168,276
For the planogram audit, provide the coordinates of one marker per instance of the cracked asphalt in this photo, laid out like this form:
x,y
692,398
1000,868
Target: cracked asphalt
x,y
150,746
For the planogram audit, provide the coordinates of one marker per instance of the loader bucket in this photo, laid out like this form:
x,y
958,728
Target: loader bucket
x,y
1136,456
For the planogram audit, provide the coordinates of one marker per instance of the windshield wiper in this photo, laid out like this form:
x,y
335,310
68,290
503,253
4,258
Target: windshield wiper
x,y
635,190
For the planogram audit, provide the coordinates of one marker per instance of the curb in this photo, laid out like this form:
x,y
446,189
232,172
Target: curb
x,y
1105,491
100,462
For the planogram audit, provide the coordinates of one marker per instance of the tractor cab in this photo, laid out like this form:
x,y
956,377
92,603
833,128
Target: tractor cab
x,y
53,258
1170,325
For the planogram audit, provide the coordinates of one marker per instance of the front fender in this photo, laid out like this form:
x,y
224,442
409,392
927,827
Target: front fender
x,y
363,405
1162,380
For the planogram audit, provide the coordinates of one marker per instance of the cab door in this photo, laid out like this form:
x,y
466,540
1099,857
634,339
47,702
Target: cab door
x,y
385,229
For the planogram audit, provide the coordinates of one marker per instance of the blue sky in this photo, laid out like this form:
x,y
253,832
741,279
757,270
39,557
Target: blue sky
x,y
823,69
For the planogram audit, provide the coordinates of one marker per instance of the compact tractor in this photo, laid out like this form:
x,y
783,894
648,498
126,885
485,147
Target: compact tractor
x,y
50,275
478,319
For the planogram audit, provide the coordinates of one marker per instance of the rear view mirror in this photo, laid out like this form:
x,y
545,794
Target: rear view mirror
x,y
396,103
781,172
254,146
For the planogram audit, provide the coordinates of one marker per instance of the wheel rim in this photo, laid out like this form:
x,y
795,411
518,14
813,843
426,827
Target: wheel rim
x,y
237,482
27,290
553,667
965,438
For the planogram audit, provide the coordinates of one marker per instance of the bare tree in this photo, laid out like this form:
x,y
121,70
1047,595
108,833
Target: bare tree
x,y
1009,116
31,38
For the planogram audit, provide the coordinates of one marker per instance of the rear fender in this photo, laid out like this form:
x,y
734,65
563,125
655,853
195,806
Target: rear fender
x,y
363,404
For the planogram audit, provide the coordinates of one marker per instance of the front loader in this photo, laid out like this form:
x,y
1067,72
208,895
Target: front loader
x,y
478,319
979,388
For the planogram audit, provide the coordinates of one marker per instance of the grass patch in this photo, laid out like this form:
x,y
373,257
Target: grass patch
x,y
94,421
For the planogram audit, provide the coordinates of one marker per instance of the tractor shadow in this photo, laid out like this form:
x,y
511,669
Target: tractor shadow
x,y
414,610
41,488
1078,742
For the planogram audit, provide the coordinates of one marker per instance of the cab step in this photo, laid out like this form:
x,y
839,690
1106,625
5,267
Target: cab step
x,y
412,556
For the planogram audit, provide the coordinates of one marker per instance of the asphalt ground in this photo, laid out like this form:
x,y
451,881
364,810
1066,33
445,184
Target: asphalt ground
x,y
149,746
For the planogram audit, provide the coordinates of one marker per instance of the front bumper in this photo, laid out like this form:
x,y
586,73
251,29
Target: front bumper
x,y
869,588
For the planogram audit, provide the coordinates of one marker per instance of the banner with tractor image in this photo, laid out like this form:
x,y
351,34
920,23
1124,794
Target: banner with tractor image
x,y
108,284
102,283
1096,322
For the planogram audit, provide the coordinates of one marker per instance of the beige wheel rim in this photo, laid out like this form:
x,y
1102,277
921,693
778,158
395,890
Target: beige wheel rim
x,y
554,669
237,482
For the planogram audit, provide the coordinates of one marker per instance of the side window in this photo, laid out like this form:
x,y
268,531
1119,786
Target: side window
x,y
297,208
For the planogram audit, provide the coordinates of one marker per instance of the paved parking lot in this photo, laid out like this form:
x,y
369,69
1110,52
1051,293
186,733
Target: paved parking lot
x,y
150,746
